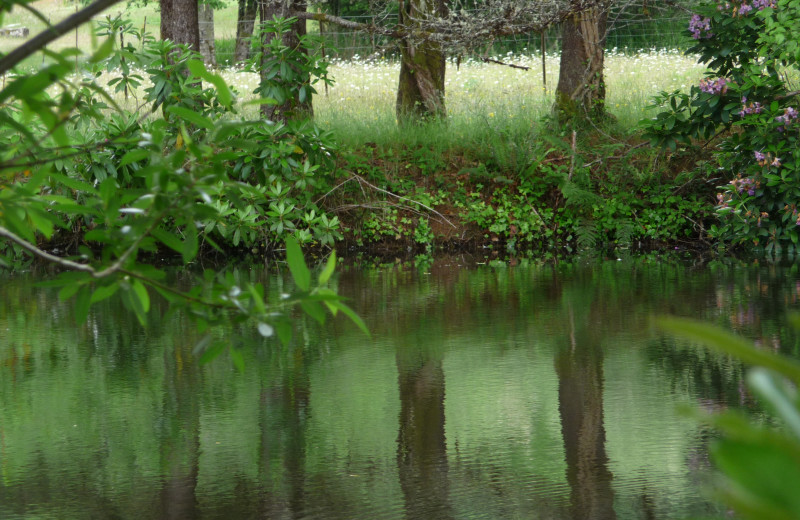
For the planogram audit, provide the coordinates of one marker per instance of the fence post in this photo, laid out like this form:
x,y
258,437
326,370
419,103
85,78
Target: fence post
x,y
544,66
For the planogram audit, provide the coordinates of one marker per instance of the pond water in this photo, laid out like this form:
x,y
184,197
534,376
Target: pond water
x,y
496,392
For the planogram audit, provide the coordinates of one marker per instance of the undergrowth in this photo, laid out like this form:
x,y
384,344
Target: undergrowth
x,y
533,187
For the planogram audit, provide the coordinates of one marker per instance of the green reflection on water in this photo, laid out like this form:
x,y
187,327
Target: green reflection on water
x,y
526,392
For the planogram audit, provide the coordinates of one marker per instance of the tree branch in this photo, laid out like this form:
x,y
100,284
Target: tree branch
x,y
63,262
491,60
38,42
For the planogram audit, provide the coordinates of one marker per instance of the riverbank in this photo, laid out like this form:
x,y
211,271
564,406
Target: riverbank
x,y
540,189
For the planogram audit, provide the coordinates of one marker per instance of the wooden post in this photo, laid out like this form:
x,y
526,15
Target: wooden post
x,y
76,41
544,65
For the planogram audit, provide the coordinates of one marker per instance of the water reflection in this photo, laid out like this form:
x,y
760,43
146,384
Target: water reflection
x,y
579,365
533,392
421,446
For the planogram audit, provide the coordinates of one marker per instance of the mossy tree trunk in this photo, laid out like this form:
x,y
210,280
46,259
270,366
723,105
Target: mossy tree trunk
x,y
291,108
581,90
420,90
179,22
246,21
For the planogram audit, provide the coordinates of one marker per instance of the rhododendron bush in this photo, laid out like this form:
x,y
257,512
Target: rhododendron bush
x,y
747,110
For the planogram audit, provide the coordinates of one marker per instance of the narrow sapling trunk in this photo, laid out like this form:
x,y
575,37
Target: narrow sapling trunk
x,y
581,90
420,89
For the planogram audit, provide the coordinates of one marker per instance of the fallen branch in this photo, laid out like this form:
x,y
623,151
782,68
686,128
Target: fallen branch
x,y
491,60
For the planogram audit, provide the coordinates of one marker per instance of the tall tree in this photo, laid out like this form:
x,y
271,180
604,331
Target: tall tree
x,y
420,89
581,90
179,22
245,24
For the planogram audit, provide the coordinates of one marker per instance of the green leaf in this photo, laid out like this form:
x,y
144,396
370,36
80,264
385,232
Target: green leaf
x,y
133,156
284,330
224,93
103,51
42,221
75,184
211,352
778,396
297,265
326,273
191,116
169,240
763,474
82,303
141,294
313,309
724,341
68,291
238,359
190,245
350,313
104,291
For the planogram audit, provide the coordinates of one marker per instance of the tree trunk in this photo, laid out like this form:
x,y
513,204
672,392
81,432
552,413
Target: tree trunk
x,y
291,108
581,90
420,90
179,22
248,10
206,28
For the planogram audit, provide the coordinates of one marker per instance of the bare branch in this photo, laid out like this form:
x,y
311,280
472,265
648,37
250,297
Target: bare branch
x,y
491,60
63,262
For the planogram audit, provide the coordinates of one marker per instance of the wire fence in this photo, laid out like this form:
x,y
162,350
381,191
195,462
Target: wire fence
x,y
628,31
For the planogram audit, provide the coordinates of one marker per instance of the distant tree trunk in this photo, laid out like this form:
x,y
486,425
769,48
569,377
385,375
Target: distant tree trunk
x,y
291,108
248,10
179,22
206,27
581,90
420,90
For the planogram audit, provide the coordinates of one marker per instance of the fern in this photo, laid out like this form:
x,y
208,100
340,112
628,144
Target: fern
x,y
578,196
624,233
587,236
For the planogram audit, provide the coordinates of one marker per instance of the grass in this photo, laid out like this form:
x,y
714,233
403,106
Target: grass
x,y
488,105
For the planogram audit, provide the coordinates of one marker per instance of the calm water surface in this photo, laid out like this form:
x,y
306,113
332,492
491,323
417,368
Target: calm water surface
x,y
532,392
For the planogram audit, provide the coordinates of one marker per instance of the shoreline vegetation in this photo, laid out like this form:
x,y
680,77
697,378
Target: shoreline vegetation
x,y
499,174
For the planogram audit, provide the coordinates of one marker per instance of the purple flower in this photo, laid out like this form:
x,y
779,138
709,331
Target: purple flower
x,y
710,86
788,117
697,25
744,9
763,4
760,156
750,108
776,163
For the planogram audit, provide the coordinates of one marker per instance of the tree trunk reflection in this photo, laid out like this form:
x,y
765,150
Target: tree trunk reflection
x,y
580,396
180,445
421,445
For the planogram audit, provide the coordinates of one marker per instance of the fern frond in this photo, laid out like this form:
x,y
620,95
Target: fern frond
x,y
624,232
578,196
586,235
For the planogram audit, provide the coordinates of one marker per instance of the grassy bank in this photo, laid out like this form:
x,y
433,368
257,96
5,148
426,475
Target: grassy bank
x,y
498,173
